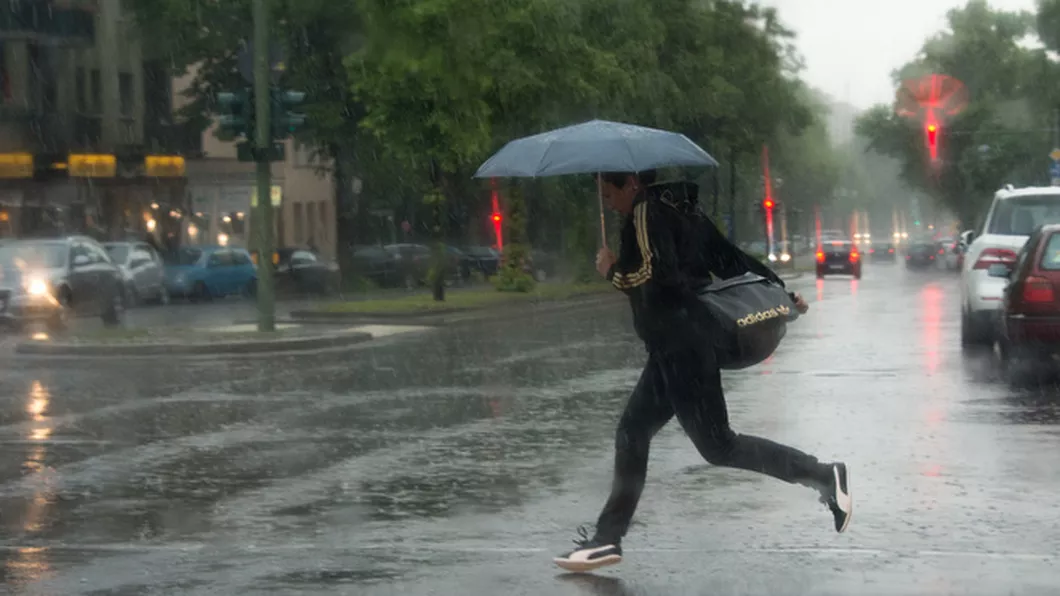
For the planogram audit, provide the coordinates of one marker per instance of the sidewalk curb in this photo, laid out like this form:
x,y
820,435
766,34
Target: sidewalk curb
x,y
105,350
454,315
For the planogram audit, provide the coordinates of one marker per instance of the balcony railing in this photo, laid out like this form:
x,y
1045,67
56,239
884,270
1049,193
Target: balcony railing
x,y
46,18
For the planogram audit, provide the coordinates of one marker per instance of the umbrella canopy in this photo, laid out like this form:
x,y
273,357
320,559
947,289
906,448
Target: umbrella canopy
x,y
594,146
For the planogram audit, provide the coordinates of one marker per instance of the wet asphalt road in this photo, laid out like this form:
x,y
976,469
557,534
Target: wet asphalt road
x,y
458,461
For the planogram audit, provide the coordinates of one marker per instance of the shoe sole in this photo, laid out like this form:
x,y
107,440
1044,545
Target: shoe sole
x,y
850,513
583,566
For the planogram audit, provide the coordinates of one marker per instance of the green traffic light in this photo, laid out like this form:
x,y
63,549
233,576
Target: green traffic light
x,y
284,121
236,114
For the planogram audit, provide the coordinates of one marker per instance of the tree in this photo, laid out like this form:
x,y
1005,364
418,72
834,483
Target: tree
x,y
997,138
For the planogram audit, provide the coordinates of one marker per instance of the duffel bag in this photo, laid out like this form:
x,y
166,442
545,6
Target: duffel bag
x,y
750,315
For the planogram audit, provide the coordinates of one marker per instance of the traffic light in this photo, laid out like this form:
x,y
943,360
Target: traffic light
x,y
932,131
237,115
768,204
497,218
285,122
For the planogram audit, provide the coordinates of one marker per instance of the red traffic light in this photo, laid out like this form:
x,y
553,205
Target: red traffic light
x,y
932,131
497,217
768,203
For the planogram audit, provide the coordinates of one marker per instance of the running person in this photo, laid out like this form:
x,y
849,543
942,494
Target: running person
x,y
667,244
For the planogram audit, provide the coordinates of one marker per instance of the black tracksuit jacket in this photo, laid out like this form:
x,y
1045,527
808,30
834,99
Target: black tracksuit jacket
x,y
669,248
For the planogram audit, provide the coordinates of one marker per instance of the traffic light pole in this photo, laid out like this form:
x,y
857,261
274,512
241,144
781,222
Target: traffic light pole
x,y
262,142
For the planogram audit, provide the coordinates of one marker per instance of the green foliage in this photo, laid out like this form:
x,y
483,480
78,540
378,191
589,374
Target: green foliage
x,y
514,275
1001,137
411,96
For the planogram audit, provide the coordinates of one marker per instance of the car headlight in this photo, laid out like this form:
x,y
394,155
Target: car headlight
x,y
772,258
36,287
784,258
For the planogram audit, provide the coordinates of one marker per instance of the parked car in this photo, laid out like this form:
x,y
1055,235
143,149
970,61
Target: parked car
x,y
838,257
947,257
484,259
413,263
207,272
143,270
1013,216
49,280
302,270
1029,321
543,264
377,264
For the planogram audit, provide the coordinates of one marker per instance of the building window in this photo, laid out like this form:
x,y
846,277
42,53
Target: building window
x,y
322,208
125,91
82,93
97,92
298,224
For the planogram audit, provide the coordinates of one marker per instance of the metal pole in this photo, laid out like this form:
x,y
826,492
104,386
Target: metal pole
x,y
262,144
732,195
1056,127
603,219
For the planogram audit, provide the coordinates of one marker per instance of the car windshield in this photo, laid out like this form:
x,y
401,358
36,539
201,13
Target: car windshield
x,y
1019,216
184,256
32,255
118,252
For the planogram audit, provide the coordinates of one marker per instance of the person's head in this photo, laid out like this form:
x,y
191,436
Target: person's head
x,y
619,189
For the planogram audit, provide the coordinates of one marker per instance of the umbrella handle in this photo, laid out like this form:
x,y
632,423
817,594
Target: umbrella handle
x,y
603,221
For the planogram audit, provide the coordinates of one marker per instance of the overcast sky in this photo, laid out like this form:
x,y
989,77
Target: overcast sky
x,y
851,46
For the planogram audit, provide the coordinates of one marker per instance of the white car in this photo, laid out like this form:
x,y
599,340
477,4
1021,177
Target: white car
x,y
1013,216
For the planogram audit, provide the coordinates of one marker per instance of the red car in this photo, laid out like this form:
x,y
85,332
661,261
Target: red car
x,y
1029,327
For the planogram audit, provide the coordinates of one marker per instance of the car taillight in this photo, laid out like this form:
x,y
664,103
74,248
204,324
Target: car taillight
x,y
890,250
872,251
993,256
942,251
854,256
1037,289
820,257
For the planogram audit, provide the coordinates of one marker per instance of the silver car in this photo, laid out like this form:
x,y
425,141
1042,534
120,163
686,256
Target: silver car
x,y
49,280
141,266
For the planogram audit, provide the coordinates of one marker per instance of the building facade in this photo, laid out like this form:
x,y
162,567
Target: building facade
x,y
90,142
84,142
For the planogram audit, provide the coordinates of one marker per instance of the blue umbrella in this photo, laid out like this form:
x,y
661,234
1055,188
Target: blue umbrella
x,y
594,146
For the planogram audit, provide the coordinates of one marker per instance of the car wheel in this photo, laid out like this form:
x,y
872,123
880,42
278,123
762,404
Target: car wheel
x,y
132,297
200,293
251,289
972,332
114,314
857,274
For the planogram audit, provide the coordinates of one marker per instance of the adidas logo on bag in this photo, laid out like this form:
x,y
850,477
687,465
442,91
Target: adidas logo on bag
x,y
765,315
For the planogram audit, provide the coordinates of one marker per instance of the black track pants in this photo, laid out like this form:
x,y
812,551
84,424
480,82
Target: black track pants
x,y
687,382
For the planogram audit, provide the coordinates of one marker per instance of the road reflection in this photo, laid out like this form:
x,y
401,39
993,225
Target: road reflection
x,y
32,563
